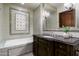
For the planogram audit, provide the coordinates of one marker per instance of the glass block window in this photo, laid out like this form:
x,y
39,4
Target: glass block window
x,y
20,22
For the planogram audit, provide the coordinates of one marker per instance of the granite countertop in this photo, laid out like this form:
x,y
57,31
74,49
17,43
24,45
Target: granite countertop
x,y
70,41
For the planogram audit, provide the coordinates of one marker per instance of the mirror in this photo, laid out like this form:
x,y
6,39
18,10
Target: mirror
x,y
52,18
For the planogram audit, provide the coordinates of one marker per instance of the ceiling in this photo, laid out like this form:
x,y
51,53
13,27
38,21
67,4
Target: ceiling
x,y
27,5
35,5
56,4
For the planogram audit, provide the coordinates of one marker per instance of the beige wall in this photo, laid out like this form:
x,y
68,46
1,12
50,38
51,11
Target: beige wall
x,y
77,15
38,20
5,23
1,18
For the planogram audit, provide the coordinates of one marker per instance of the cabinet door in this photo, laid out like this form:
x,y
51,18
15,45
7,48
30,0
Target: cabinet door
x,y
43,50
35,48
62,49
35,45
51,48
67,18
59,52
43,47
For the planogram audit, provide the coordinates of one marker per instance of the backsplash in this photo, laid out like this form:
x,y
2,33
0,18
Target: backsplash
x,y
74,34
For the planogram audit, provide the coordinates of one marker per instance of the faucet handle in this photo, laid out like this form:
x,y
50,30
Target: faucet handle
x,y
70,35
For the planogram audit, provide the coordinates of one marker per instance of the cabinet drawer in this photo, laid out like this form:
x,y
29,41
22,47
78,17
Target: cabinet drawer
x,y
43,50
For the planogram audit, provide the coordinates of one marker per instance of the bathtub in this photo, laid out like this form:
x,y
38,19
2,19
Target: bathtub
x,y
16,47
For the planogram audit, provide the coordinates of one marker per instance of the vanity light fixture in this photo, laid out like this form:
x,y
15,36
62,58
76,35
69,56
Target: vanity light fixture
x,y
46,13
68,6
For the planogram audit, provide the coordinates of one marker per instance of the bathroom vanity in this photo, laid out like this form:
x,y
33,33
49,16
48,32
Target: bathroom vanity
x,y
55,46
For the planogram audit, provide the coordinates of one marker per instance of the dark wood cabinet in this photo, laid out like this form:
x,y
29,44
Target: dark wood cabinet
x,y
35,46
42,47
43,50
62,49
67,18
45,47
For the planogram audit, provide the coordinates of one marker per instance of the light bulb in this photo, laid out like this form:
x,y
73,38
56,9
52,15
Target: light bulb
x,y
68,5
